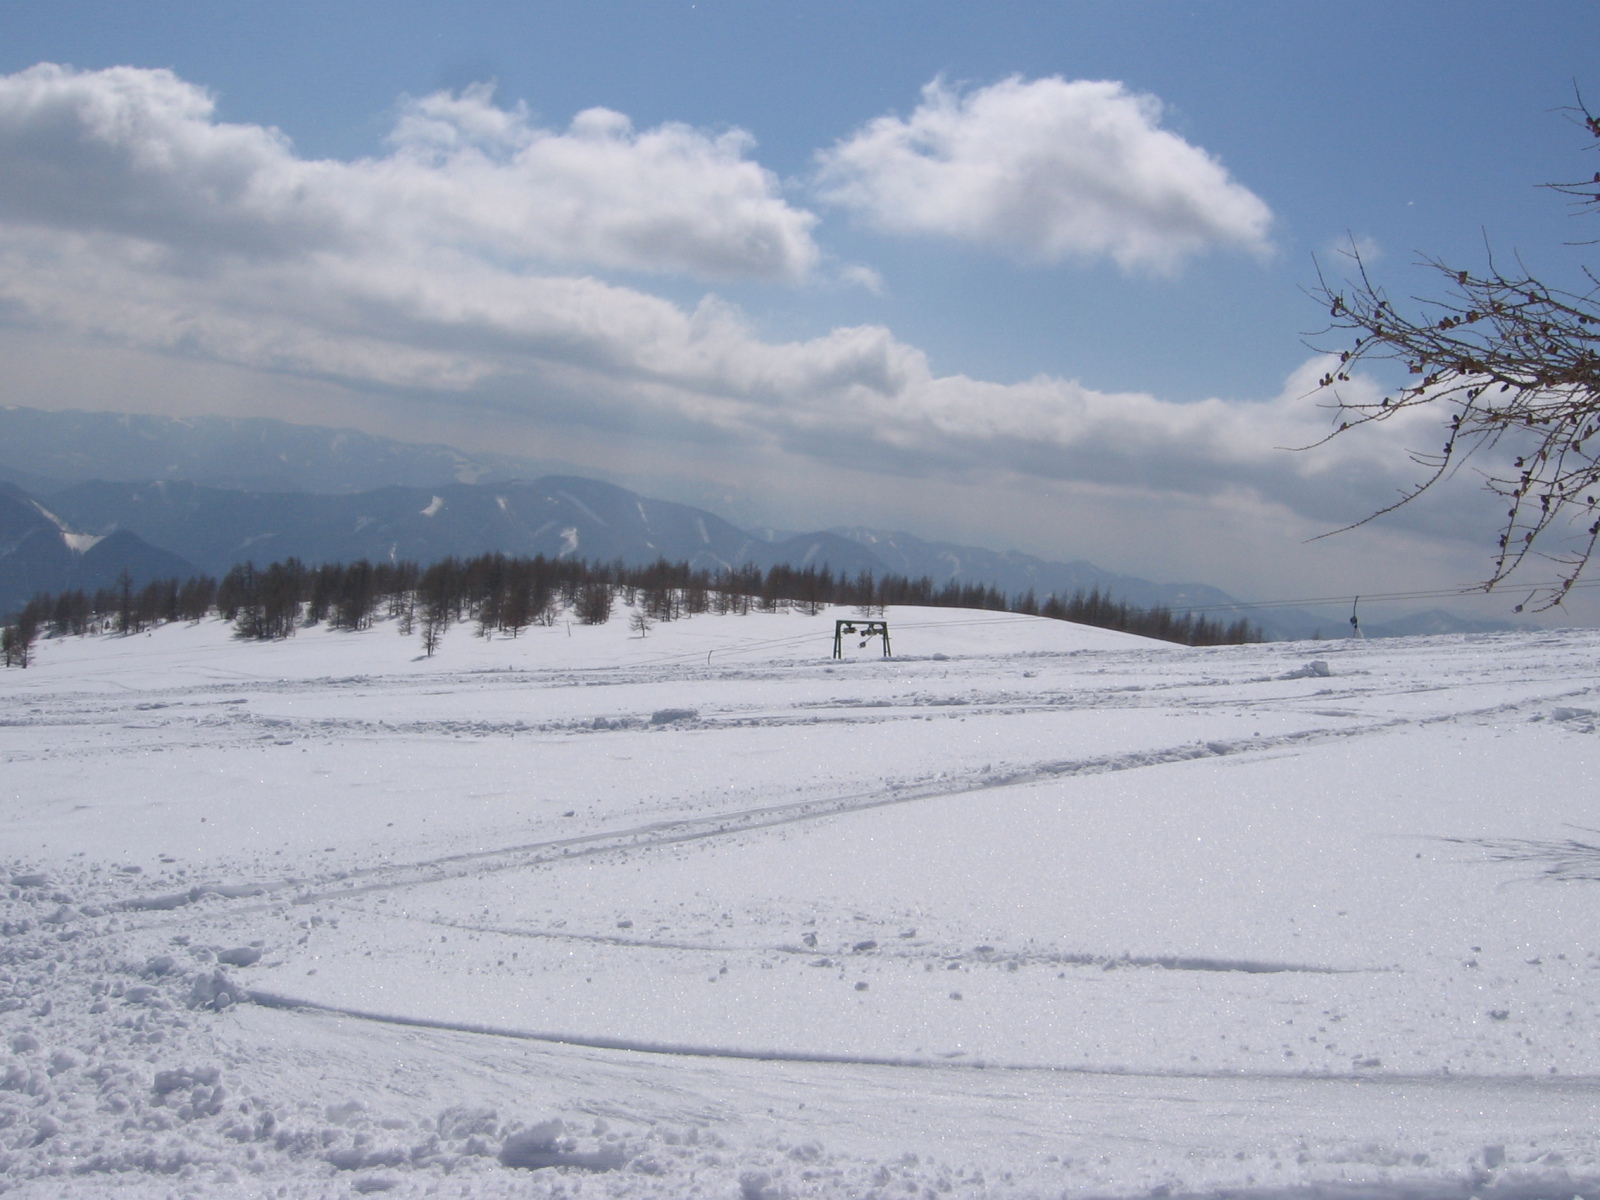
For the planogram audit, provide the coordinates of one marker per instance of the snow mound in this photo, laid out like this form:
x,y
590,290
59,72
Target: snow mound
x,y
1315,669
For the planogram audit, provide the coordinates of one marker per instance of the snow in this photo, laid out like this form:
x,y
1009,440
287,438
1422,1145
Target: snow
x,y
51,517
78,543
1029,909
435,505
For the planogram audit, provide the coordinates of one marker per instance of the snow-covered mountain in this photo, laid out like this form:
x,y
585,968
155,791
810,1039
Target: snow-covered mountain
x,y
557,516
41,552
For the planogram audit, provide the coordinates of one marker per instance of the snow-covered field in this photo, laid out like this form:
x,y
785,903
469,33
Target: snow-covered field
x,y
1027,910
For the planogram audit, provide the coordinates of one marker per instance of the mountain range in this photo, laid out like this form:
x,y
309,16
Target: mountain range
x,y
43,451
160,497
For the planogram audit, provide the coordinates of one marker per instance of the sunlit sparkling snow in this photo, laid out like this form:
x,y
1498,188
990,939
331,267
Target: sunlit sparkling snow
x,y
1028,909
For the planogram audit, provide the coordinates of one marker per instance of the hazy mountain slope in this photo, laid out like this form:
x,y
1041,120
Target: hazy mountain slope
x,y
1014,572
823,549
256,453
557,517
39,554
33,555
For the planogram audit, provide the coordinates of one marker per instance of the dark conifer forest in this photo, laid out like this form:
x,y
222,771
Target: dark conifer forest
x,y
503,596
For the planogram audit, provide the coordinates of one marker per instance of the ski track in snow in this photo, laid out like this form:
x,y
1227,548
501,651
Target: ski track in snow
x,y
1031,910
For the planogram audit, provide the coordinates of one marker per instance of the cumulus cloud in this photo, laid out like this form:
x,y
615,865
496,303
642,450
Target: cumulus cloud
x,y
863,277
139,153
669,198
1045,170
216,243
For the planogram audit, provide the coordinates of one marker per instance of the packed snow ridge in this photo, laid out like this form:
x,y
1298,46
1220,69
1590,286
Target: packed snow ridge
x,y
1029,909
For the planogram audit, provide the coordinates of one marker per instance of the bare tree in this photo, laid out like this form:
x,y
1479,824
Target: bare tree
x,y
16,639
594,603
1513,361
435,620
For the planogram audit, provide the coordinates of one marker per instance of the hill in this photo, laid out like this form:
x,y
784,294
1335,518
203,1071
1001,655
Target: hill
x,y
711,912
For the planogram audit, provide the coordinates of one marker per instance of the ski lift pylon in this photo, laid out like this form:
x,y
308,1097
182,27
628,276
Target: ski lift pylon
x,y
867,630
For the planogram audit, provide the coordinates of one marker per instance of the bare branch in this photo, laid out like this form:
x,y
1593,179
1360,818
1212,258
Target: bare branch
x,y
1507,356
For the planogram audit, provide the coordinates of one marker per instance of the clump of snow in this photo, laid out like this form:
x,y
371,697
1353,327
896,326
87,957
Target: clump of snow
x,y
460,1122
213,990
544,1145
161,964
1315,669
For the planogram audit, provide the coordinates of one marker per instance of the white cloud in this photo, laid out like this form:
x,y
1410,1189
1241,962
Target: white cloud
x,y
863,277
128,218
670,198
1047,169
138,153
579,351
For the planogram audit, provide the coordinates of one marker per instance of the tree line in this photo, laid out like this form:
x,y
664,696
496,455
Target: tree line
x,y
500,595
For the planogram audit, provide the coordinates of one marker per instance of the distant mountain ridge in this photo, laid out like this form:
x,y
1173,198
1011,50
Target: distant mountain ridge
x,y
114,498
40,552
557,516
163,529
1015,573
44,451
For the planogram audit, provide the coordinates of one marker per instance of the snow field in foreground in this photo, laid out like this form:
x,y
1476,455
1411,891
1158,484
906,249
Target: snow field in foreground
x,y
1206,920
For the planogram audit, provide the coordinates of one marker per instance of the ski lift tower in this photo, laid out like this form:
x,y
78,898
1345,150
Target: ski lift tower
x,y
865,630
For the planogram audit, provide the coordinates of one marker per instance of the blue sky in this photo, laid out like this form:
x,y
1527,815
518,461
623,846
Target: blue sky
x,y
1057,302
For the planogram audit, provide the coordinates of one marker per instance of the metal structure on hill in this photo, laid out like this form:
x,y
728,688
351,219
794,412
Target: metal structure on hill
x,y
866,630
